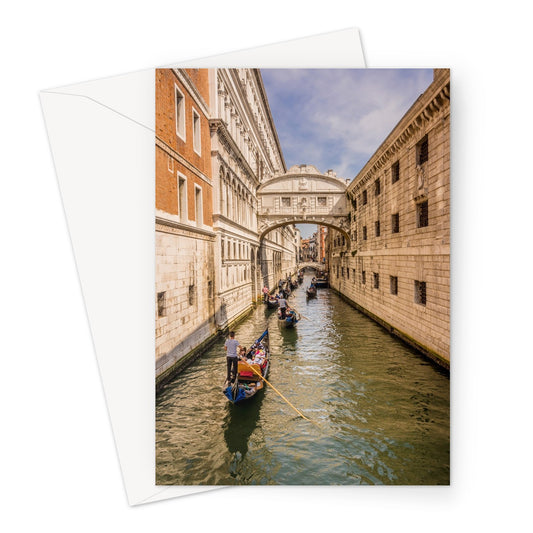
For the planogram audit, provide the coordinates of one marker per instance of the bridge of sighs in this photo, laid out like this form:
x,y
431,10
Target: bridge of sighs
x,y
303,196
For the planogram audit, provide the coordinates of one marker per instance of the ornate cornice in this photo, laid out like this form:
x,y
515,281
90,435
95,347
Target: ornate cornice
x,y
218,127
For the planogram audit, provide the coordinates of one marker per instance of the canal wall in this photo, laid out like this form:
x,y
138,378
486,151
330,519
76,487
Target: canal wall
x,y
192,348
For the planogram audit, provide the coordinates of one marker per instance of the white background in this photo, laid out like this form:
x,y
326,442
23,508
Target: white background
x,y
59,470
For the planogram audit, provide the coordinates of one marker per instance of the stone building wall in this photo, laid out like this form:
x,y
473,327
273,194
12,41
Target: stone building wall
x,y
397,265
185,268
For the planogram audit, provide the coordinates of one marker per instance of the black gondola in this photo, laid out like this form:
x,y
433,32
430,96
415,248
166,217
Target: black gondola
x,y
311,292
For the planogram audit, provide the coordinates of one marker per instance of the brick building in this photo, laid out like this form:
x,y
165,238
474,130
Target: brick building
x,y
185,238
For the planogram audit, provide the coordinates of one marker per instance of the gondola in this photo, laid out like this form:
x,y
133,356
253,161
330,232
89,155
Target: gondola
x,y
322,281
290,320
311,292
272,302
248,383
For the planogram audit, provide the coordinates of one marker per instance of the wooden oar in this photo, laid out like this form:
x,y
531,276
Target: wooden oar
x,y
270,384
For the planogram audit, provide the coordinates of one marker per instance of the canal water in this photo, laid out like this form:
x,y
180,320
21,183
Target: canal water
x,y
380,412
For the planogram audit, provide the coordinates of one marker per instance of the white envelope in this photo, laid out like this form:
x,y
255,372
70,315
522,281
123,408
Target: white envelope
x,y
102,138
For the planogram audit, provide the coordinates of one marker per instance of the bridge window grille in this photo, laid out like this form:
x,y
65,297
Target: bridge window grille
x,y
364,233
364,198
395,223
161,303
422,214
322,201
377,187
422,151
363,277
377,228
420,292
395,172
285,202
394,285
376,280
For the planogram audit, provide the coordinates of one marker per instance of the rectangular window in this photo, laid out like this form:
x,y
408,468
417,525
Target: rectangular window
x,y
394,285
364,199
322,201
161,304
192,295
354,203
342,272
180,114
285,202
198,205
422,214
182,198
395,172
364,233
196,139
422,153
363,277
395,223
376,280
377,187
347,272
377,228
420,292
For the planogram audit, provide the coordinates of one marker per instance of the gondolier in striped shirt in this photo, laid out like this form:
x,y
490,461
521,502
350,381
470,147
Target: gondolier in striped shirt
x,y
231,346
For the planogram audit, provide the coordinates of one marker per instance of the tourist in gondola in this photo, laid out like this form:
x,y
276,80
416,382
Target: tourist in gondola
x,y
232,347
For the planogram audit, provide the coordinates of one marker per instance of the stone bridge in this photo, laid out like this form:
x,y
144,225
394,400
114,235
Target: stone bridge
x,y
303,196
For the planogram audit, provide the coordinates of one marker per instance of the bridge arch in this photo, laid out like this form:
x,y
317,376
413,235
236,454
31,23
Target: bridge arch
x,y
264,230
303,195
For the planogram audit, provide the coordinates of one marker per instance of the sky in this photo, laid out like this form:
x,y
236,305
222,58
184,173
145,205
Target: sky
x,y
337,118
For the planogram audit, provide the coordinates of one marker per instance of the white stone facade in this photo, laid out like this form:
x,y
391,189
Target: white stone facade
x,y
245,152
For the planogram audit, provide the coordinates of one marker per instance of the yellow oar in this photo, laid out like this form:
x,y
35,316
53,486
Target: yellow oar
x,y
270,384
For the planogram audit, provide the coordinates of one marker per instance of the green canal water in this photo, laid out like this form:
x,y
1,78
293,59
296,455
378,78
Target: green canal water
x,y
380,411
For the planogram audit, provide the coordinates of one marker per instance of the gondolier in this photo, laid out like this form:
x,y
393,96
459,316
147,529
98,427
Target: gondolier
x,y
283,306
231,346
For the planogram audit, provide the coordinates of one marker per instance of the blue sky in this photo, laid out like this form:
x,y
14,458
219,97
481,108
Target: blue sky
x,y
337,118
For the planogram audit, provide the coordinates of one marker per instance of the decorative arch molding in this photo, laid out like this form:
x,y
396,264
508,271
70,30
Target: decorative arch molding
x,y
341,224
303,195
